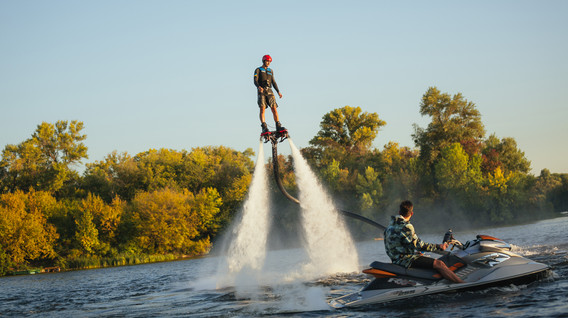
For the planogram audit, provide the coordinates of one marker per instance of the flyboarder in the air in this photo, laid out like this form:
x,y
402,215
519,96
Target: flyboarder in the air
x,y
264,80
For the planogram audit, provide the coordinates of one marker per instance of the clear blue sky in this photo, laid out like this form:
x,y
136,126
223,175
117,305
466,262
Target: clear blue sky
x,y
178,74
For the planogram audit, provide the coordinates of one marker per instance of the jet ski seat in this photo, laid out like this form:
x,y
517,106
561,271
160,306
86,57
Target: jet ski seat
x,y
453,262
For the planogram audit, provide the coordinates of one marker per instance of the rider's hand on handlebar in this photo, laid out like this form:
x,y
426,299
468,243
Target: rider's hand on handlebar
x,y
455,243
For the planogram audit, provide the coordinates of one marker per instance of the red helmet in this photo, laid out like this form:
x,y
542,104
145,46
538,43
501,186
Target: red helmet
x,y
267,58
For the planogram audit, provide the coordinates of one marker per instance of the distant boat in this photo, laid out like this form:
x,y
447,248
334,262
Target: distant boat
x,y
25,272
51,269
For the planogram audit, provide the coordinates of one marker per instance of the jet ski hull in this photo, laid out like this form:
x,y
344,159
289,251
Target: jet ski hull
x,y
380,296
486,267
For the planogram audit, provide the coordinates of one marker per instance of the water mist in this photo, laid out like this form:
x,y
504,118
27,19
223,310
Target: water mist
x,y
247,247
328,242
328,248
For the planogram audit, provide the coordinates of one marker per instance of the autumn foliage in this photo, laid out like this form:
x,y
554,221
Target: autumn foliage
x,y
159,202
163,203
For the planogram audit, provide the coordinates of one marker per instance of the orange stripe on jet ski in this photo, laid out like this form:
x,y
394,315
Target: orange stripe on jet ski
x,y
487,237
378,273
453,268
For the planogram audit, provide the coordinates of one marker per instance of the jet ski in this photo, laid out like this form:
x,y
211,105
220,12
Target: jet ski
x,y
483,262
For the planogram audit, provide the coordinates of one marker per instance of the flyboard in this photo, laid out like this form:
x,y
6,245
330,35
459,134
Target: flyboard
x,y
278,136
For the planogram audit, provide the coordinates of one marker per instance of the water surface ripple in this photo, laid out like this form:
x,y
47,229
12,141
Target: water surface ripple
x,y
188,288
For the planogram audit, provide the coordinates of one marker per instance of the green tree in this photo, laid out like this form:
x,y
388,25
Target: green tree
x,y
103,219
401,174
161,168
335,177
222,168
369,189
87,235
395,158
558,195
453,119
344,132
117,175
505,154
544,186
206,207
43,162
451,169
498,202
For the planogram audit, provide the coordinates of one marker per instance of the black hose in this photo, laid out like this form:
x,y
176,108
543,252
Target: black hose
x,y
277,176
291,198
362,218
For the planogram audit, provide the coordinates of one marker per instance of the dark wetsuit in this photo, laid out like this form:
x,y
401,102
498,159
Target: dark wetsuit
x,y
264,77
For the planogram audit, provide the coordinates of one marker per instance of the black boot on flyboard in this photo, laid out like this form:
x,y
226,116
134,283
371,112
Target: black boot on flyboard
x,y
281,131
276,136
265,132
280,128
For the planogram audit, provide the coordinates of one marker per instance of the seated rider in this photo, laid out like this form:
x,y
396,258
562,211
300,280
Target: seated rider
x,y
401,244
264,80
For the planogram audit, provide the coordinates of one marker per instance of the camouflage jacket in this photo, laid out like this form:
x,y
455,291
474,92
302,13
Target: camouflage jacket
x,y
401,242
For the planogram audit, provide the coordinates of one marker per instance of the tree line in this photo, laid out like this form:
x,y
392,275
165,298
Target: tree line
x,y
162,204
157,205
456,174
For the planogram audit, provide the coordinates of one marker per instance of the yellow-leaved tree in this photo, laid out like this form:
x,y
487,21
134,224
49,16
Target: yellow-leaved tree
x,y
171,221
25,234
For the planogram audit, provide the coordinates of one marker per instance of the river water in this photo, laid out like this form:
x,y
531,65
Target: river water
x,y
189,288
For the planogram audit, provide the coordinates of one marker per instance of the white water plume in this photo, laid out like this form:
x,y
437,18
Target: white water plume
x,y
247,247
328,242
328,246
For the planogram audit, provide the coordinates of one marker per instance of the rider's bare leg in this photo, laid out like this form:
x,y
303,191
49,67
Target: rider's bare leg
x,y
262,118
446,272
274,114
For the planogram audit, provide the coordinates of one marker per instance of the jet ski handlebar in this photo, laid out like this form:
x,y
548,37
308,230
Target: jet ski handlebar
x,y
449,238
